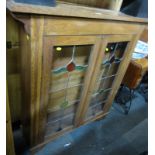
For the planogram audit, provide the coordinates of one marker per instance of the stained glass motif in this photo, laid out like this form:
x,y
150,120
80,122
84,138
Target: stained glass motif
x,y
112,59
113,56
64,69
67,76
68,68
71,66
64,104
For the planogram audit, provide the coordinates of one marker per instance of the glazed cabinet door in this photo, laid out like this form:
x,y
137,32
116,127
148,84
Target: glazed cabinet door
x,y
107,77
66,62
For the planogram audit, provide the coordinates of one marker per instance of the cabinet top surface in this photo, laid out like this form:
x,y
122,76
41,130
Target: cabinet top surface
x,y
70,10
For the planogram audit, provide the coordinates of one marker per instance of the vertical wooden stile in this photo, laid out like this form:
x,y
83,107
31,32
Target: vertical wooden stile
x,y
95,61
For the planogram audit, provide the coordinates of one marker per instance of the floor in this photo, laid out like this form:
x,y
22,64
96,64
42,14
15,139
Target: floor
x,y
117,134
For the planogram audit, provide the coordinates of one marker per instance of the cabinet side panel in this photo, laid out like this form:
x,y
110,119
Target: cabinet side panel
x,y
13,67
37,24
9,135
25,82
31,75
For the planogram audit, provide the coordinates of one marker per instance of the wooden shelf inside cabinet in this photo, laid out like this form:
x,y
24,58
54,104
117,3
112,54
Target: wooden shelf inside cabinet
x,y
71,65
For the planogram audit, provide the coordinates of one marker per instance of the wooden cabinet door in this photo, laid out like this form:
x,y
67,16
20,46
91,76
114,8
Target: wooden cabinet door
x,y
67,61
106,78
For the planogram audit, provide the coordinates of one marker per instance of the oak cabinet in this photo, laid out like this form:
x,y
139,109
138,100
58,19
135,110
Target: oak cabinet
x,y
71,65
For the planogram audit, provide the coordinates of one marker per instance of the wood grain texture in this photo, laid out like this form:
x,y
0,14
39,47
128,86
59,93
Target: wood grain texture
x,y
31,71
144,35
119,38
68,40
45,86
66,130
9,135
57,114
55,99
50,138
37,25
92,83
14,88
89,80
13,67
71,11
127,38
79,27
74,26
25,83
58,82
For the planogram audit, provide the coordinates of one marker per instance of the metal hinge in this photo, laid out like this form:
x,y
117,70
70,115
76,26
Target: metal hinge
x,y
10,45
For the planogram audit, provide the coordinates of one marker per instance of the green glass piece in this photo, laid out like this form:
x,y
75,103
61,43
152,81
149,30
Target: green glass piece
x,y
64,104
117,60
106,62
64,69
101,91
59,70
80,68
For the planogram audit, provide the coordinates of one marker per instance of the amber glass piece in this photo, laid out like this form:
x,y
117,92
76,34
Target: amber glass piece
x,y
71,66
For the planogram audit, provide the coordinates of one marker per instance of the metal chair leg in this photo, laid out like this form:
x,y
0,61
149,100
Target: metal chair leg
x,y
127,108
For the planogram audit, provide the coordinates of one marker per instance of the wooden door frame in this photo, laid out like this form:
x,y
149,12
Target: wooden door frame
x,y
96,57
84,104
121,72
100,42
48,43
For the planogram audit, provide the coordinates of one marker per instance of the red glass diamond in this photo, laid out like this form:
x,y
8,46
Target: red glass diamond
x,y
70,67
